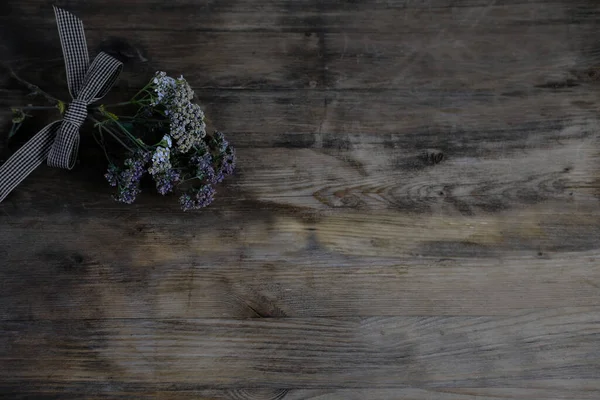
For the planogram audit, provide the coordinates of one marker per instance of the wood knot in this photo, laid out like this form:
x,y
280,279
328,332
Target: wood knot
x,y
433,156
590,74
122,50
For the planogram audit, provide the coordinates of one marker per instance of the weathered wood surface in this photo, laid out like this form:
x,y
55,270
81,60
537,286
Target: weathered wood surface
x,y
415,215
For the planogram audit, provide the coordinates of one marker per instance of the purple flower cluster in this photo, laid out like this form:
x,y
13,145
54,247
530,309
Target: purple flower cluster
x,y
228,162
227,157
166,180
112,175
204,167
198,198
128,178
221,142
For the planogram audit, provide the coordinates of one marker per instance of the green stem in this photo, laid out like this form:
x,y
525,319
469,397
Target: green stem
x,y
34,88
36,108
140,119
128,134
114,135
187,180
131,102
161,112
131,137
14,128
110,132
144,89
101,144
123,103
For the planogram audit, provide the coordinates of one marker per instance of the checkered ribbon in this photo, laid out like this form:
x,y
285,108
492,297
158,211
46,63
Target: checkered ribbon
x,y
58,142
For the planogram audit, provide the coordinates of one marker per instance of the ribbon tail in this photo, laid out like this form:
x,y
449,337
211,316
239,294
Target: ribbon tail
x,y
63,152
26,159
74,46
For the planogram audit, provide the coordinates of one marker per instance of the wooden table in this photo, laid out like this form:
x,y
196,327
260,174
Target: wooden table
x,y
415,214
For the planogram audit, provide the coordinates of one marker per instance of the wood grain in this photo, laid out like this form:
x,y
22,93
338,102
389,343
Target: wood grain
x,y
158,284
415,214
137,391
309,15
536,349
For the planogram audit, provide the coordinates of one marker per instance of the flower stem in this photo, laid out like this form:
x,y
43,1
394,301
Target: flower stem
x,y
114,135
101,127
140,119
27,108
101,144
14,128
34,88
187,180
123,103
144,89
128,134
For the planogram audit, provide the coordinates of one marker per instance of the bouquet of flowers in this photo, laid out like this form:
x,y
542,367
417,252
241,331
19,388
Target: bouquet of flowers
x,y
161,135
166,139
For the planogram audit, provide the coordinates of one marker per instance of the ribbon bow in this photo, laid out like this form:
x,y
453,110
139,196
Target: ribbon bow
x,y
59,141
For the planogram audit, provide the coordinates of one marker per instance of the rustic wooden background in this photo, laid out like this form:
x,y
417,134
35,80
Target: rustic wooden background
x,y
415,214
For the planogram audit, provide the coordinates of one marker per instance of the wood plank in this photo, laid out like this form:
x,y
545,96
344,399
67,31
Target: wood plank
x,y
309,15
149,390
371,177
331,119
558,168
392,394
539,350
259,262
514,46
515,63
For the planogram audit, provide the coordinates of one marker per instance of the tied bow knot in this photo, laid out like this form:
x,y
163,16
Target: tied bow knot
x,y
58,142
76,113
63,152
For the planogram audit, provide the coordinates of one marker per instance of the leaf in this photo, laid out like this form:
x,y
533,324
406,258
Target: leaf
x,y
14,128
18,115
110,115
61,106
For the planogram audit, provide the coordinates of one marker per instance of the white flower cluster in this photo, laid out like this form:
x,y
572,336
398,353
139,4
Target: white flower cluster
x,y
164,86
161,161
187,125
166,141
